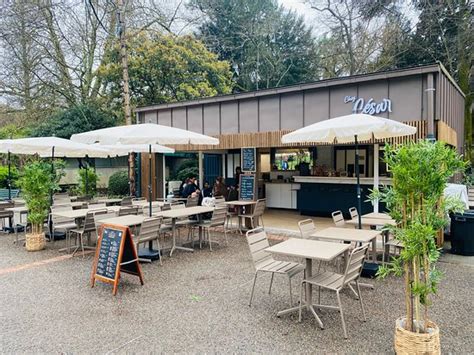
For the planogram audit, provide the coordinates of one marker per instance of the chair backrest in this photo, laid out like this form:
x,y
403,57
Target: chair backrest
x,y
219,200
149,229
258,242
57,219
355,263
338,219
176,206
126,201
138,199
353,212
306,227
192,201
89,222
219,216
146,209
126,210
259,207
166,207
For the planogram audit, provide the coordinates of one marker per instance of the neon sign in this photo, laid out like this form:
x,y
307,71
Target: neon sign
x,y
370,107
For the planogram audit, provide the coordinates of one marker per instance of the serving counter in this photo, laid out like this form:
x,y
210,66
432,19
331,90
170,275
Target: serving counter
x,y
320,195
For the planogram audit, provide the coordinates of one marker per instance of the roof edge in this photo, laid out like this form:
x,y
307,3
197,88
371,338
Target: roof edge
x,y
430,68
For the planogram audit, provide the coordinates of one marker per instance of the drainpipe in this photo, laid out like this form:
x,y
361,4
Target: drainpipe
x,y
430,92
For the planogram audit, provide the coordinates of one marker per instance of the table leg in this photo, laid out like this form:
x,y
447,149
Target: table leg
x,y
374,249
174,247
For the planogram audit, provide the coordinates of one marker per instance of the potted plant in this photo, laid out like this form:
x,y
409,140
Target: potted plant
x,y
415,199
37,183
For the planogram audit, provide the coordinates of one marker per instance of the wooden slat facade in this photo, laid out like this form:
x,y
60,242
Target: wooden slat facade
x,y
447,134
273,140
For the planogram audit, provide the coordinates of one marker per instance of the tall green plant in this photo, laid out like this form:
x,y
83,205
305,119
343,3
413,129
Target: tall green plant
x,y
420,172
88,180
36,183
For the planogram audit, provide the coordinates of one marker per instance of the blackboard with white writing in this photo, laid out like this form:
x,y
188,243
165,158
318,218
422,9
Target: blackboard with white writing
x,y
115,253
247,187
248,159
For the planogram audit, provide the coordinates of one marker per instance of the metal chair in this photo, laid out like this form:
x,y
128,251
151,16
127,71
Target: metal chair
x,y
149,232
306,228
264,262
6,215
192,201
218,219
255,216
61,198
60,224
126,201
338,219
127,210
336,282
87,228
353,212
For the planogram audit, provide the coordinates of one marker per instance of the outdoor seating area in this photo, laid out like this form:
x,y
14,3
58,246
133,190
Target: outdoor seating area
x,y
203,294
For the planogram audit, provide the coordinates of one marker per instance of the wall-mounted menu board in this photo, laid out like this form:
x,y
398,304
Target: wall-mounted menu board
x,y
115,253
247,187
248,160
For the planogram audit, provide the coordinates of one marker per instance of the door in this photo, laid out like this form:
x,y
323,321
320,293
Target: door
x,y
212,167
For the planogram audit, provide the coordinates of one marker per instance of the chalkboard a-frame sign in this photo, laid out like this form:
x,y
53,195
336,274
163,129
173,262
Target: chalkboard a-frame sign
x,y
115,253
247,187
248,160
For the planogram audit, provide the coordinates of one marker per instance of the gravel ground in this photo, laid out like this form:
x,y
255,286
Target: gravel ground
x,y
196,303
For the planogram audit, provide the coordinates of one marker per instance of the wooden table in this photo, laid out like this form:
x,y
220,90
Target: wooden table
x,y
177,213
350,235
309,250
377,215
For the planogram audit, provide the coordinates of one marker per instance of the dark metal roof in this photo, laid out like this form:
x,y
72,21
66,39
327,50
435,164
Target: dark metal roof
x,y
353,79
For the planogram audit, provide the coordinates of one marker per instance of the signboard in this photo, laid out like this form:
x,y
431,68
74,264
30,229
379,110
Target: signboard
x,y
248,160
115,253
359,105
247,187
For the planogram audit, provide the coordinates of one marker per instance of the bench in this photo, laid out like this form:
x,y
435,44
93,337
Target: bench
x,y
4,193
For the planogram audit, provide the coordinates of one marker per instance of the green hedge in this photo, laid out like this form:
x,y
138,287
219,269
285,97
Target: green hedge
x,y
118,184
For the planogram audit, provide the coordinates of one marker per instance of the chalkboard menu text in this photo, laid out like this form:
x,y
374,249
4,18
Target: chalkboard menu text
x,y
247,187
248,160
115,253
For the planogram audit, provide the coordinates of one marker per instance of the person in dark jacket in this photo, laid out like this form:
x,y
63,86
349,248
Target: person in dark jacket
x,y
206,191
190,187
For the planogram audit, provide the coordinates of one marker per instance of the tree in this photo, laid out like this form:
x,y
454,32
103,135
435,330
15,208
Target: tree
x,y
266,45
445,33
165,68
362,36
78,119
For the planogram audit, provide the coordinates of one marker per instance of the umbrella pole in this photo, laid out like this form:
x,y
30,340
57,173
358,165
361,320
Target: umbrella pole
x,y
9,181
149,180
52,176
359,202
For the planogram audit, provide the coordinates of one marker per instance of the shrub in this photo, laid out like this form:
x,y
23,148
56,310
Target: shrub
x,y
118,184
88,179
4,177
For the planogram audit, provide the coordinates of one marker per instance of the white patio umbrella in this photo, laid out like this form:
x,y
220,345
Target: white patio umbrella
x,y
50,147
348,129
147,133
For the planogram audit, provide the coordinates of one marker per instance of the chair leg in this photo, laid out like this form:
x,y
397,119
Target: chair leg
x,y
342,314
360,300
291,292
301,301
271,283
209,238
225,236
253,288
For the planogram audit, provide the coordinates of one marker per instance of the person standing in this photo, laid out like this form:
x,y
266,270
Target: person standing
x,y
238,172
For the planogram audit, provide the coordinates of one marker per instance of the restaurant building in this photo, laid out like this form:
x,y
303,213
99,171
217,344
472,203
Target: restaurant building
x,y
312,178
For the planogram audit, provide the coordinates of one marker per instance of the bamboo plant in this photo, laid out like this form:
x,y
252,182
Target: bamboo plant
x,y
37,182
415,200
